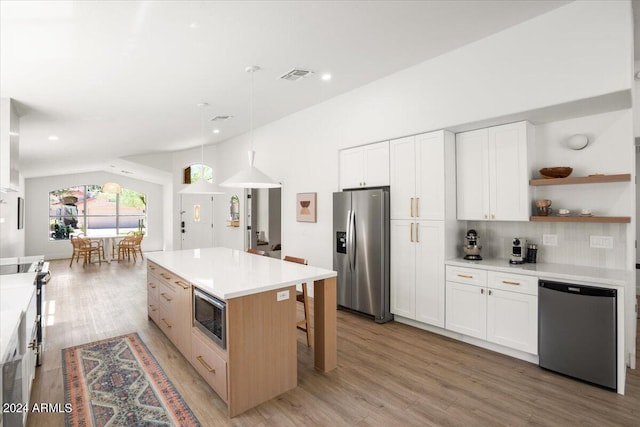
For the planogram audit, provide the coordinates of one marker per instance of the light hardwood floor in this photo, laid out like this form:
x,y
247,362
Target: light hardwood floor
x,y
387,375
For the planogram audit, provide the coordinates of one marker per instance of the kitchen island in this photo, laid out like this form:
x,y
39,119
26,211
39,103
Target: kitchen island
x,y
260,358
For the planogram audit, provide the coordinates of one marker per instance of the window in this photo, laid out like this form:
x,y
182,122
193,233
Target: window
x,y
86,209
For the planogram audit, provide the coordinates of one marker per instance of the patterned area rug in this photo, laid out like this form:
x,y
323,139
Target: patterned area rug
x,y
117,382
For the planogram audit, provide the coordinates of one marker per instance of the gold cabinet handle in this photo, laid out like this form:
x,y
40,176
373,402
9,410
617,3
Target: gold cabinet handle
x,y
465,276
485,216
482,290
493,216
205,364
181,283
417,233
163,295
153,267
166,276
490,292
411,208
417,207
152,286
507,282
165,322
152,307
411,233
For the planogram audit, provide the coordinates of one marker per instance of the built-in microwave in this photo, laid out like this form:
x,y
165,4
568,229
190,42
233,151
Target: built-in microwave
x,y
209,316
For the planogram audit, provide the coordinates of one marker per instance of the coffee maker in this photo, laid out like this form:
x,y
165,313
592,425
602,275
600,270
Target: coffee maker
x,y
517,251
472,248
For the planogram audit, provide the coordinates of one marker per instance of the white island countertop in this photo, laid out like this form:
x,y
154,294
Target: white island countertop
x,y
231,273
577,274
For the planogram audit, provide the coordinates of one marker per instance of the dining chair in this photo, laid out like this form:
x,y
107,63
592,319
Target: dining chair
x,y
126,247
303,297
256,251
86,247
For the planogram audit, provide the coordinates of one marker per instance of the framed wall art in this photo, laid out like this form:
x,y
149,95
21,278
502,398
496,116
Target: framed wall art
x,y
306,210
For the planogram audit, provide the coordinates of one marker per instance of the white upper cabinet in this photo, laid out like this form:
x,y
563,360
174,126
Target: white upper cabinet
x,y
366,166
493,167
418,176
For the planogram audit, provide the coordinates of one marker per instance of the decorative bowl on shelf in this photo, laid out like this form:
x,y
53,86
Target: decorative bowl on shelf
x,y
556,172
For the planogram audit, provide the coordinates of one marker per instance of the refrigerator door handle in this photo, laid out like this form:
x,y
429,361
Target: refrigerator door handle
x,y
349,213
352,244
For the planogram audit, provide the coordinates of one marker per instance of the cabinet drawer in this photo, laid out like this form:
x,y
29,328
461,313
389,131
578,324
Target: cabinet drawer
x,y
513,282
470,276
209,364
167,321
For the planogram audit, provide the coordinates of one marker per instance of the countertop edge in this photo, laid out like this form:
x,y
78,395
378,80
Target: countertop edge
x,y
562,272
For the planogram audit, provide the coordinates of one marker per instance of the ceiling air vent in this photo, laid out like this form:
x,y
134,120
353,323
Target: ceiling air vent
x,y
220,118
295,75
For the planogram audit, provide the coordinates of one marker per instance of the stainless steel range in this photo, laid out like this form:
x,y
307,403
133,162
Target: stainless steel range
x,y
41,268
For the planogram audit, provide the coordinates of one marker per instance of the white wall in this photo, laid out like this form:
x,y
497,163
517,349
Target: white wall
x,y
555,58
37,211
12,240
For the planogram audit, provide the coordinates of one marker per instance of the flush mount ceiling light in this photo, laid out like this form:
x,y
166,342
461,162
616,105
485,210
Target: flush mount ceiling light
x,y
111,188
326,77
53,138
201,186
251,177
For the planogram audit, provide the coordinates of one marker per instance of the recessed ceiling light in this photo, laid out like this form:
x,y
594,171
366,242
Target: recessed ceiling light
x,y
326,77
216,131
53,138
193,25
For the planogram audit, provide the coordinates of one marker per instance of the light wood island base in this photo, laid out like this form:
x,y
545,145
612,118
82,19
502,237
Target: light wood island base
x,y
260,361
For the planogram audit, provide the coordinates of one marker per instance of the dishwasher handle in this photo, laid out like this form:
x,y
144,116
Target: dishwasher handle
x,y
570,288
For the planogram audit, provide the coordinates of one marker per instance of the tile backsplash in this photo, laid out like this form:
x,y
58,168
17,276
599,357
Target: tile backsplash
x,y
573,241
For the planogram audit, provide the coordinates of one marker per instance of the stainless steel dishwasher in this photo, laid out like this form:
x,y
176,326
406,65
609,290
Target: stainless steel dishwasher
x,y
577,331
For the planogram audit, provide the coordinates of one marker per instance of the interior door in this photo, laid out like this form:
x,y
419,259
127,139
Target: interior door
x,y
196,216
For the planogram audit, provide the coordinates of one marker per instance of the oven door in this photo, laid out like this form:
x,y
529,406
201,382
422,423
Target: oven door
x,y
209,316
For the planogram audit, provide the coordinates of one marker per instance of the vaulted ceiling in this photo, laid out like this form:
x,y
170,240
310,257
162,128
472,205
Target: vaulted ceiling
x,y
118,78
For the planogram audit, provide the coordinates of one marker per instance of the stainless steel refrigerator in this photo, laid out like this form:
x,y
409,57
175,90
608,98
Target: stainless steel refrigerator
x,y
361,251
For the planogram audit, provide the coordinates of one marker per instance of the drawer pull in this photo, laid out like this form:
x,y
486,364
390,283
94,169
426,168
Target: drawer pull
x,y
507,282
33,344
411,209
165,322
152,286
205,364
166,276
163,295
465,276
411,233
417,207
181,283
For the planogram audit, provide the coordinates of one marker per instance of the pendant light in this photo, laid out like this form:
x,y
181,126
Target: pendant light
x,y
201,186
112,188
251,177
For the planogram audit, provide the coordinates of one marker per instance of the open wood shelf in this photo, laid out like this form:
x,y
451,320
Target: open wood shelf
x,y
575,218
591,179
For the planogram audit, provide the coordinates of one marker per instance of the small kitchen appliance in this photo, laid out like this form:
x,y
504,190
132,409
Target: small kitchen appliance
x,y
472,248
517,251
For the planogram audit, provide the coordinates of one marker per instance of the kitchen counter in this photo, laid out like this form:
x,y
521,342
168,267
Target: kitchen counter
x,y
15,293
230,273
20,260
577,274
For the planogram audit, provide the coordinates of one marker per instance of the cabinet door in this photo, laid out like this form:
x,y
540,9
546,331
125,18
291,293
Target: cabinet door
x,y
403,276
403,178
184,321
508,174
430,287
466,310
351,168
430,185
376,164
472,171
512,320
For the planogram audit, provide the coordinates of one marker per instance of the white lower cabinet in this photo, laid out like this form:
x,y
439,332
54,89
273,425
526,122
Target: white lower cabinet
x,y
417,274
501,308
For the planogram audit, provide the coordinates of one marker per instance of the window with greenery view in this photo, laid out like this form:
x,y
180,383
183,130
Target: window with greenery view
x,y
86,209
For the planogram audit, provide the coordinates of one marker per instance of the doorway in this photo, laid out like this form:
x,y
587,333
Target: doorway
x,y
196,221
264,212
